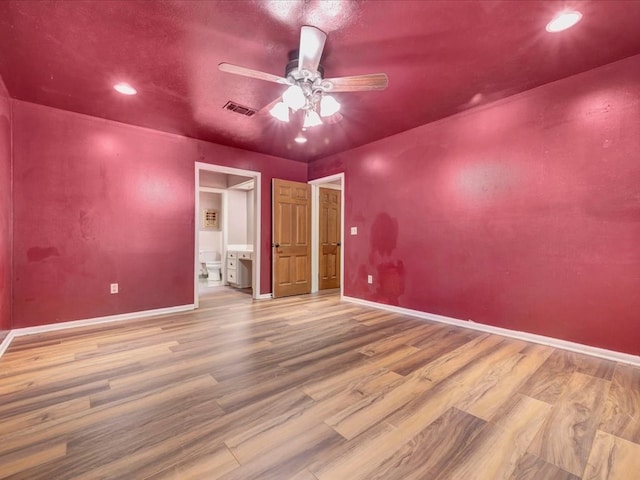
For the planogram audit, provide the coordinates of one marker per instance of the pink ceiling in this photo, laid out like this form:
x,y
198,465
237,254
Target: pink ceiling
x,y
441,57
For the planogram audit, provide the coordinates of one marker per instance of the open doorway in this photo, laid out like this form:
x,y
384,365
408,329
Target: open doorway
x,y
212,232
327,254
227,229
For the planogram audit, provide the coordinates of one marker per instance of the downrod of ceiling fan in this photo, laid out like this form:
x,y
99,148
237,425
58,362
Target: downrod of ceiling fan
x,y
292,65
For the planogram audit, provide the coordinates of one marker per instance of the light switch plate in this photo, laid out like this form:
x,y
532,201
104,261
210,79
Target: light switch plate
x,y
369,279
354,230
114,288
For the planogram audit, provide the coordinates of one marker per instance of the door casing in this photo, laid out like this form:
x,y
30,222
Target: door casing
x,y
257,199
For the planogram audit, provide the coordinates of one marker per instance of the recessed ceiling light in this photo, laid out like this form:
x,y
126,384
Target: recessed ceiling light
x,y
300,139
563,21
125,89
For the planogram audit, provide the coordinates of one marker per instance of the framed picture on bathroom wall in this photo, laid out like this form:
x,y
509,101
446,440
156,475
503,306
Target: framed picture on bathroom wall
x,y
210,218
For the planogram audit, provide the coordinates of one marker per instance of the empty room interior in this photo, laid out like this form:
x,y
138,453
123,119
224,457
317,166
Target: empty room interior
x,y
320,239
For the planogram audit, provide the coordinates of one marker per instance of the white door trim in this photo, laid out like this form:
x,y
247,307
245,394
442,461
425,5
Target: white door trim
x,y
257,202
315,231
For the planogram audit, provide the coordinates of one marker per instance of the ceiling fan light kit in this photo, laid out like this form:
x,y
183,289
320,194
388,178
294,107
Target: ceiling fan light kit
x,y
307,93
308,90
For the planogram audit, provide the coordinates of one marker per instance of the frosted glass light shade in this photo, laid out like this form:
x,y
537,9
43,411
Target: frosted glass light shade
x,y
311,119
293,97
280,111
329,106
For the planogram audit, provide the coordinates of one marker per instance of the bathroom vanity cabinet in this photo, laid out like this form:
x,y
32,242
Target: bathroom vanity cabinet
x,y
238,267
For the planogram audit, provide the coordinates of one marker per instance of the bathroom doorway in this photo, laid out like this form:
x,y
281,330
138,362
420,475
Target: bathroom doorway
x,y
227,230
212,236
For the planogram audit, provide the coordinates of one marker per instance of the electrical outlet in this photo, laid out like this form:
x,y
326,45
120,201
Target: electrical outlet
x,y
114,288
369,279
354,230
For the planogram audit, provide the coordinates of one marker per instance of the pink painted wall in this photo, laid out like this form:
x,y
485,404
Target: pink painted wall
x,y
5,211
524,214
98,202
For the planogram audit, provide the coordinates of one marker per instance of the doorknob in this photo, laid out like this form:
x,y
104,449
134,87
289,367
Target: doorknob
x,y
338,244
276,245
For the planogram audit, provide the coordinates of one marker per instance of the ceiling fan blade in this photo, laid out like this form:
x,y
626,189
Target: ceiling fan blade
x,y
311,45
248,72
270,105
356,83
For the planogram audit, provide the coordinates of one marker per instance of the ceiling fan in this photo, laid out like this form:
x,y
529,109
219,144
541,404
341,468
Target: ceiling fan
x,y
308,91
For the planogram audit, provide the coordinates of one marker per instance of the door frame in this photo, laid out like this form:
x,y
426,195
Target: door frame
x,y
257,203
315,227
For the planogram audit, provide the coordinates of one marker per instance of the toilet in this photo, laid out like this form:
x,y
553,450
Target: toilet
x,y
211,267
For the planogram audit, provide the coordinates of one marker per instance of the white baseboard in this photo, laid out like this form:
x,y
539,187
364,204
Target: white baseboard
x,y
529,337
19,332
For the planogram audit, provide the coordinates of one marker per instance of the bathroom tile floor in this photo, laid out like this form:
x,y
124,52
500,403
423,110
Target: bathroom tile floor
x,y
205,286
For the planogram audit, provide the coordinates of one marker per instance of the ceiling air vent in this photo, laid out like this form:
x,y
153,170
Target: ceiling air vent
x,y
234,107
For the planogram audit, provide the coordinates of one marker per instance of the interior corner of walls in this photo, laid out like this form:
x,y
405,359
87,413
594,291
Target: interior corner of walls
x,y
11,215
6,342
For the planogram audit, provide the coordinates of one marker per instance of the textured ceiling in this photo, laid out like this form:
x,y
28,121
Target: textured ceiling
x,y
441,58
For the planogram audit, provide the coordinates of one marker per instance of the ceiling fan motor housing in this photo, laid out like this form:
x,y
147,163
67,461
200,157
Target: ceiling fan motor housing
x,y
310,82
291,69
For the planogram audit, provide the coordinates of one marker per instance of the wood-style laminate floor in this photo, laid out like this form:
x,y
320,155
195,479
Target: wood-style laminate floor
x,y
309,388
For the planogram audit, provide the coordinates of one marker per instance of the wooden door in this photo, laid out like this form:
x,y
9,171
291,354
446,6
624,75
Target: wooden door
x,y
291,238
329,235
